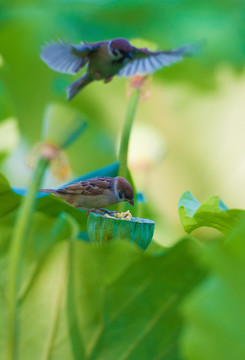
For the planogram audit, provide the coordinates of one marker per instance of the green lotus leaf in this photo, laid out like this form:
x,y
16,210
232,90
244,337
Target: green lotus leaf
x,y
211,213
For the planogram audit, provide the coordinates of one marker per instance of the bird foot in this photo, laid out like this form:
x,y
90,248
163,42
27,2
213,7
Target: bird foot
x,y
109,212
108,79
98,211
98,75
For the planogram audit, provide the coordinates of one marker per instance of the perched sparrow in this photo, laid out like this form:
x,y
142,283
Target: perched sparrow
x,y
107,58
96,193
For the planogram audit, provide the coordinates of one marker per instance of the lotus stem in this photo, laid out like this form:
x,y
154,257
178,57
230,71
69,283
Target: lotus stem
x,y
18,245
130,114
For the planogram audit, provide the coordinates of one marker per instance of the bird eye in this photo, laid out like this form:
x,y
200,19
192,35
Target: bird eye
x,y
116,52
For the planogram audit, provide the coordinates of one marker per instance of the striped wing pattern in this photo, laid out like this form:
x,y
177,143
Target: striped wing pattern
x,y
65,58
147,62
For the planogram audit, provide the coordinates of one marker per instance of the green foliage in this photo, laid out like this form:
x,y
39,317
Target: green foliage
x,y
127,302
54,140
211,213
9,200
214,313
74,300
41,296
79,301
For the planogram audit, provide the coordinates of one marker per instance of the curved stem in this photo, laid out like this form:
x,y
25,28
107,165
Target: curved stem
x,y
18,244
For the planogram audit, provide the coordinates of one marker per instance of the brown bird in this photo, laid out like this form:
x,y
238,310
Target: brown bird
x,y
105,59
96,193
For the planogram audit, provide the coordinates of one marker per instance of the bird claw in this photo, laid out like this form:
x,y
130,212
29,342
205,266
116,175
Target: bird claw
x,y
109,212
101,211
98,211
108,79
93,210
98,75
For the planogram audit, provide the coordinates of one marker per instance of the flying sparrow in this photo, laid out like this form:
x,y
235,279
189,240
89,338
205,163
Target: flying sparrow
x,y
105,59
95,193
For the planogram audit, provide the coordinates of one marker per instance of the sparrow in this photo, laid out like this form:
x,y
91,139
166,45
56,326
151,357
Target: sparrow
x,y
95,193
105,59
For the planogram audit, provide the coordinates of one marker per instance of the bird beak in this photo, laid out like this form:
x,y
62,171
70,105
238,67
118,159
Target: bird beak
x,y
131,202
130,55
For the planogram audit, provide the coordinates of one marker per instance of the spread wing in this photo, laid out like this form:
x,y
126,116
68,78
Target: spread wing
x,y
95,186
66,58
147,62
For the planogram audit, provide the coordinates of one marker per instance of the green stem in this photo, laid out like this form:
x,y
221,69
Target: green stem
x,y
130,114
18,244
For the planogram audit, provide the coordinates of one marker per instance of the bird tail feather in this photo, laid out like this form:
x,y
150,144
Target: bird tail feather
x,y
77,85
50,191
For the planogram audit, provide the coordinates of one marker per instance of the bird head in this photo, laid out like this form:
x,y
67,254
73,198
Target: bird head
x,y
120,49
124,190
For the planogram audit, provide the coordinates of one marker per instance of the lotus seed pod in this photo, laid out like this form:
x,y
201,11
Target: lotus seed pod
x,y
102,229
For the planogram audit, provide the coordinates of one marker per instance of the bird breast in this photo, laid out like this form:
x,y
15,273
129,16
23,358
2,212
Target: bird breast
x,y
102,63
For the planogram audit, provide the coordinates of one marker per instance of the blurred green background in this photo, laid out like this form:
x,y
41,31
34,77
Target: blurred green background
x,y
188,135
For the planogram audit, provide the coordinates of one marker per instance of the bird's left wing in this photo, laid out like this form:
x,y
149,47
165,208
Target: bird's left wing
x,y
95,186
66,58
146,62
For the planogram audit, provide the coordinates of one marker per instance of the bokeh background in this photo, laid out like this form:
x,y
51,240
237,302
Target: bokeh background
x,y
189,134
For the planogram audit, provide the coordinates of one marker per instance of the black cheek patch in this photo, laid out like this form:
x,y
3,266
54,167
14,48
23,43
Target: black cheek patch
x,y
120,194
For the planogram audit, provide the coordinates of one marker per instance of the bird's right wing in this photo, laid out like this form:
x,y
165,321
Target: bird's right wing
x,y
66,58
147,62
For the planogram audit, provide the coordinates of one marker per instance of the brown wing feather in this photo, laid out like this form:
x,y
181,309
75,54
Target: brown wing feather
x,y
95,186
